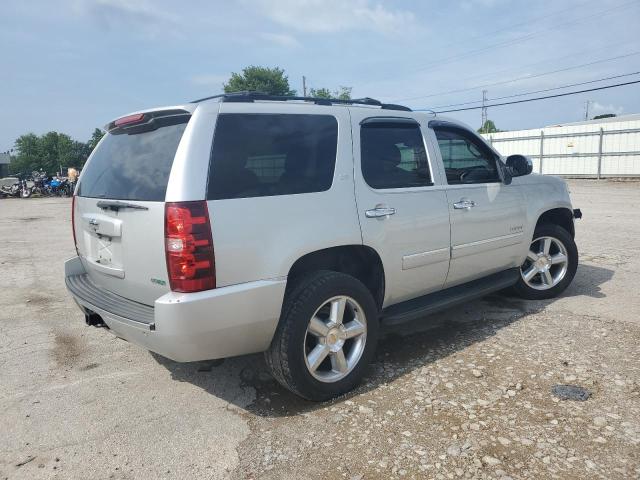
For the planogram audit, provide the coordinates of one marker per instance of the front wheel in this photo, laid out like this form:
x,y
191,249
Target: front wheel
x,y
326,337
551,264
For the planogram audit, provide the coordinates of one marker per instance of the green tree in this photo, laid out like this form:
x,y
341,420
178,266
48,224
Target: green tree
x,y
96,136
488,127
604,115
272,81
26,158
48,152
343,93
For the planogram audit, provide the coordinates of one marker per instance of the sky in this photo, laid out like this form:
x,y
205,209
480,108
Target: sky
x,y
73,65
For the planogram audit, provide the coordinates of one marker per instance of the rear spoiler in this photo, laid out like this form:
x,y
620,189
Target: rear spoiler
x,y
145,122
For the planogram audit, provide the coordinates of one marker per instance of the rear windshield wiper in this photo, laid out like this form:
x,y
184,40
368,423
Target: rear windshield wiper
x,y
115,205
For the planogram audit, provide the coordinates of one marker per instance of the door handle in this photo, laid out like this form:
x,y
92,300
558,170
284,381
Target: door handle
x,y
380,212
464,204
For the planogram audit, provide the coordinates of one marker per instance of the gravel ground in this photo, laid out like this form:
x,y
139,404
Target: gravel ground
x,y
464,394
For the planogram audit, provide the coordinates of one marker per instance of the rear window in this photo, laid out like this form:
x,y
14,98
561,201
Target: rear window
x,y
256,155
134,166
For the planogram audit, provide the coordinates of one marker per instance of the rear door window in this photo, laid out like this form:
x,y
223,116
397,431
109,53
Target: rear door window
x,y
393,155
256,155
134,166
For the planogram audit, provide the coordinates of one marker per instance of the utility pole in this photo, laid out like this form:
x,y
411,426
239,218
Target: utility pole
x,y
484,111
304,86
586,109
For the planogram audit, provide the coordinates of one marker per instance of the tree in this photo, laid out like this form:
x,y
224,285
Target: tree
x,y
96,136
604,115
343,93
488,127
27,149
271,81
48,152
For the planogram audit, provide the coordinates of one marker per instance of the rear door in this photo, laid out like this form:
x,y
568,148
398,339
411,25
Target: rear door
x,y
402,206
119,205
487,216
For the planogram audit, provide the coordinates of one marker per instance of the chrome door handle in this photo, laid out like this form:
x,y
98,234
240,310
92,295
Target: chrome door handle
x,y
464,204
380,212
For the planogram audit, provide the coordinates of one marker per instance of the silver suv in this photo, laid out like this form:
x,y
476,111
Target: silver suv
x,y
293,226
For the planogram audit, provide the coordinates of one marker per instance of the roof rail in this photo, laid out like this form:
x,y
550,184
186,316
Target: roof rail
x,y
251,96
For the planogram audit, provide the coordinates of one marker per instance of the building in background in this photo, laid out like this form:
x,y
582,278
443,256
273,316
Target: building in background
x,y
5,158
608,147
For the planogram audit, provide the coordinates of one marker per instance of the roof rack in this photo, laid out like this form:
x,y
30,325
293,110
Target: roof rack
x,y
253,96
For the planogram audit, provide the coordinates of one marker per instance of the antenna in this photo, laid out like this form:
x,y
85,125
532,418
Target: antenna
x,y
484,111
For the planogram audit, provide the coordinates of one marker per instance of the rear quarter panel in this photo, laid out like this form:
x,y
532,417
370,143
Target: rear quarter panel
x,y
260,238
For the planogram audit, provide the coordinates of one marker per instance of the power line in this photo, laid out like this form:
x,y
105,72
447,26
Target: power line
x,y
517,79
512,41
537,98
543,90
521,24
493,73
580,54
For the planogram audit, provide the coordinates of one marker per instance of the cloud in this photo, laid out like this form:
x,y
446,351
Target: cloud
x,y
281,39
213,80
598,108
328,16
135,16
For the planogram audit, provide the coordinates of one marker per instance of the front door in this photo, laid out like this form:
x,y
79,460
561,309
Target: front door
x,y
402,209
487,216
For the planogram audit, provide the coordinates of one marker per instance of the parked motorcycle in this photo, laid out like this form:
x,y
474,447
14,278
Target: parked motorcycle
x,y
39,184
16,189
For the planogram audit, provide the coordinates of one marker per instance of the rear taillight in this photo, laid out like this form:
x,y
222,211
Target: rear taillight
x,y
189,247
73,222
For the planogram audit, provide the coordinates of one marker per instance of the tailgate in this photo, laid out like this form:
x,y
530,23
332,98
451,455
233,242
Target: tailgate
x,y
120,202
123,250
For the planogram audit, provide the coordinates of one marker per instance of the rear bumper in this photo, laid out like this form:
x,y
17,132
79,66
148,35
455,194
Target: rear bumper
x,y
186,327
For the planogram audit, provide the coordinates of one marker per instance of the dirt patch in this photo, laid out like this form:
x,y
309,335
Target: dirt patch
x,y
37,299
67,349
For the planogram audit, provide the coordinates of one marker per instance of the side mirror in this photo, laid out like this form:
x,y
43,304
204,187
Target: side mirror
x,y
519,165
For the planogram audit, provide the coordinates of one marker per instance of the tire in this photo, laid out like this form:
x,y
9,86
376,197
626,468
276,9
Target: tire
x,y
540,286
289,356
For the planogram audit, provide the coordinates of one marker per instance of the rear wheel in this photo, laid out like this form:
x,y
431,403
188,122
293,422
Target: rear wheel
x,y
326,337
551,263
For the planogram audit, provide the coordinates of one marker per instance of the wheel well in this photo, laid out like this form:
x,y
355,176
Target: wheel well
x,y
358,261
558,216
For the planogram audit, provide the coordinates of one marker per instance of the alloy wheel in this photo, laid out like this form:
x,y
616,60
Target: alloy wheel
x,y
546,264
335,339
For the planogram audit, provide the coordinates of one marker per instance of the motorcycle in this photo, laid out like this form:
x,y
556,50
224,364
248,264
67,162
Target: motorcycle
x,y
26,188
14,190
41,184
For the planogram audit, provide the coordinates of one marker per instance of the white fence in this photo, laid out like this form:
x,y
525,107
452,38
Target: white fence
x,y
597,149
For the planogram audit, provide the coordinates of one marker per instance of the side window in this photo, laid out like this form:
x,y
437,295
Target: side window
x,y
393,156
257,155
466,159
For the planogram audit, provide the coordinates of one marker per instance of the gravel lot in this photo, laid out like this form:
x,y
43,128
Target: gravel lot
x,y
464,394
